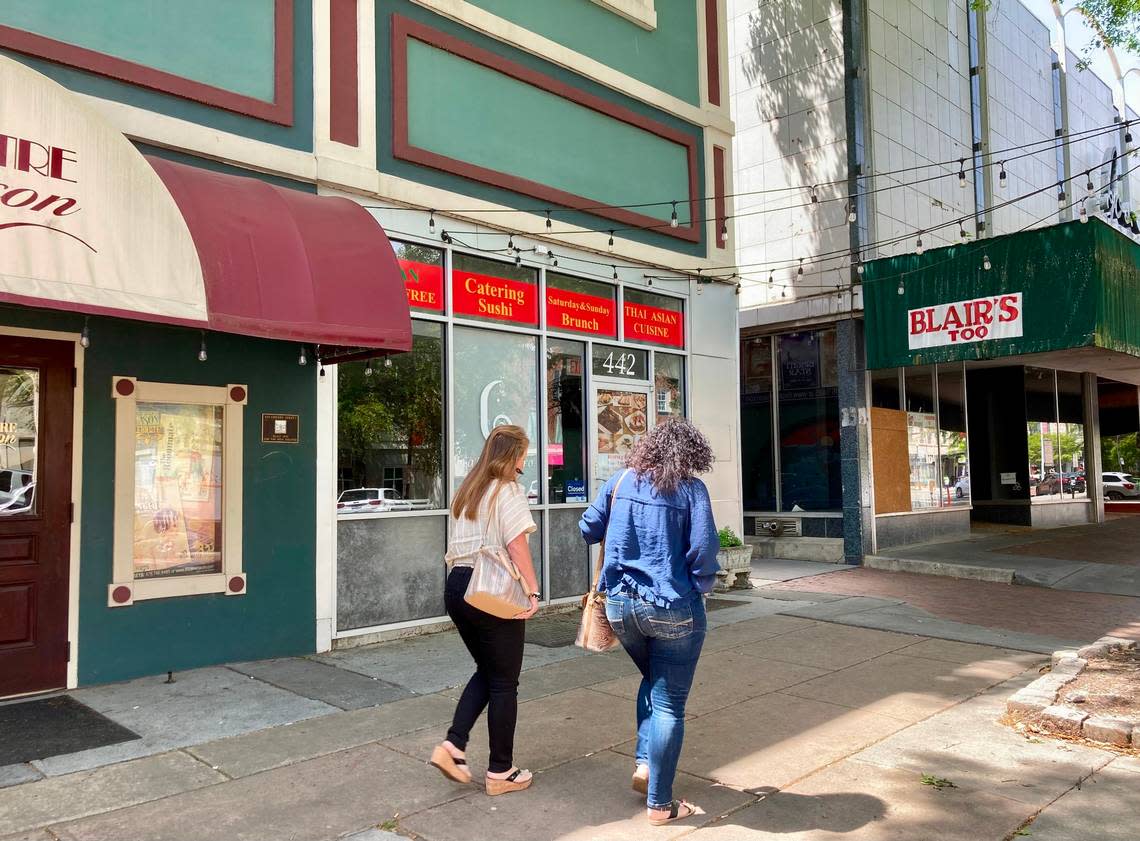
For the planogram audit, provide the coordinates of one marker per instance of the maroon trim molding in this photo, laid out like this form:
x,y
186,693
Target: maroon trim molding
x,y
344,117
280,110
718,196
712,50
403,29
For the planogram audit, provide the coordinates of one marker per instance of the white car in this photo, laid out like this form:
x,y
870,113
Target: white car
x,y
962,487
1120,486
371,500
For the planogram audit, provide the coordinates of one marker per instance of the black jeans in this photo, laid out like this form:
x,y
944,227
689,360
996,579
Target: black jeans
x,y
497,648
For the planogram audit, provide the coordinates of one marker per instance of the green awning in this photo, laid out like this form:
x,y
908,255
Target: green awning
x,y
1065,287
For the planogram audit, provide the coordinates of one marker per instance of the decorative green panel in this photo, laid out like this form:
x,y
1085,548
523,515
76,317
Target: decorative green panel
x,y
1079,287
277,616
666,58
222,43
480,116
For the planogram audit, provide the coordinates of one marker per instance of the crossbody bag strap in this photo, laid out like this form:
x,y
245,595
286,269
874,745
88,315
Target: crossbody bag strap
x,y
602,544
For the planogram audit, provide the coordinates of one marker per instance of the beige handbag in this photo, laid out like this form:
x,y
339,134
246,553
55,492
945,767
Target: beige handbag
x,y
496,585
595,632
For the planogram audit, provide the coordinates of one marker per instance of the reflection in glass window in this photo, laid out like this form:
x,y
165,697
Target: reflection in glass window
x,y
498,386
810,477
922,439
1071,435
885,389
952,447
565,426
19,429
390,427
757,462
1045,480
178,490
1119,410
669,385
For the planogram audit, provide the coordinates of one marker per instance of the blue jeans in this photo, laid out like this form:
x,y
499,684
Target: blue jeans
x,y
664,644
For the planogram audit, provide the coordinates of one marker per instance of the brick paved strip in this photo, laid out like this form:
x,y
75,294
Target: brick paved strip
x,y
1033,610
91,792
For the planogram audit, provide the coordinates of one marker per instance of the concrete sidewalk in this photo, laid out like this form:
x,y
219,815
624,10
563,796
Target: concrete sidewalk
x,y
799,729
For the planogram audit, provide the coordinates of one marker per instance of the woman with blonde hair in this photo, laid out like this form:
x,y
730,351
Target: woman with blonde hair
x,y
661,548
490,509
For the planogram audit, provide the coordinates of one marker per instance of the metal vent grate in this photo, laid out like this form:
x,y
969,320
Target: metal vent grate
x,y
784,527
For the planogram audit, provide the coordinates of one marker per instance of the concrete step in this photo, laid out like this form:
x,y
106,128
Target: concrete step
x,y
1000,575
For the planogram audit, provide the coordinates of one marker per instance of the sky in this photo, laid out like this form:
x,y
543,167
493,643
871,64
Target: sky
x,y
1078,34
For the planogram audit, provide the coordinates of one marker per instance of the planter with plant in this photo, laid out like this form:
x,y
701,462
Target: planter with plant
x,y
735,559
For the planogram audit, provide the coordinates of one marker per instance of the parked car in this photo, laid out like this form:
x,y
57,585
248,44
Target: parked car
x,y
962,487
1073,483
1055,483
370,500
1120,486
19,501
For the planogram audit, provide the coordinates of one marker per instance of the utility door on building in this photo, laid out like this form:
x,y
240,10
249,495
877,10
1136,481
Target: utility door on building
x,y
620,408
36,405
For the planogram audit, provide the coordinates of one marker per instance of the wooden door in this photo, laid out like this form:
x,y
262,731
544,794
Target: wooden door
x,y
36,405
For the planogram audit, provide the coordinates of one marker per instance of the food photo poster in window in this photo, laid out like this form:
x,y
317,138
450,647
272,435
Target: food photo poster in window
x,y
178,490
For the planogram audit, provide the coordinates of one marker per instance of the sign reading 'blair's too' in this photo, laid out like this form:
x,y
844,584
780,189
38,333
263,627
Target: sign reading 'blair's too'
x,y
961,322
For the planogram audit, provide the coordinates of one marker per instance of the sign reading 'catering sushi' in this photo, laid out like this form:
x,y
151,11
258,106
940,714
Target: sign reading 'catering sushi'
x,y
961,322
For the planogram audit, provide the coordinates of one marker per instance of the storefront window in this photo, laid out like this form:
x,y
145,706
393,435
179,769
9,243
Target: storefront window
x,y
953,453
498,385
488,290
669,385
653,319
178,490
1119,409
1071,435
19,434
885,389
422,266
1044,446
922,439
575,305
810,477
565,426
390,428
756,450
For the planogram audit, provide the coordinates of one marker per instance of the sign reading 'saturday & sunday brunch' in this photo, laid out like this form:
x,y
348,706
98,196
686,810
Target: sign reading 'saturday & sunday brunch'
x,y
962,322
580,313
486,296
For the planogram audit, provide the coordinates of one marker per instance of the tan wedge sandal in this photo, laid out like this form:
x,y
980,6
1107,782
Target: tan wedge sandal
x,y
640,782
452,768
508,784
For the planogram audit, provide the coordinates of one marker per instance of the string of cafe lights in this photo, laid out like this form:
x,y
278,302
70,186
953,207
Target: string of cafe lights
x,y
1049,141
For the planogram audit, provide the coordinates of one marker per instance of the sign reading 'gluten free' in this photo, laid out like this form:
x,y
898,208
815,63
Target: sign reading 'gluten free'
x,y
962,322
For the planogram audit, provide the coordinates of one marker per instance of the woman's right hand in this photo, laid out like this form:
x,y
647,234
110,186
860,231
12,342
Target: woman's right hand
x,y
531,611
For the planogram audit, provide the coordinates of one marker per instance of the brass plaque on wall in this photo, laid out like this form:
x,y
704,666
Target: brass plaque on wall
x,y
280,429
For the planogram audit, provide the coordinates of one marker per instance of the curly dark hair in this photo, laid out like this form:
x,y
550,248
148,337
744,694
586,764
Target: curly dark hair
x,y
673,452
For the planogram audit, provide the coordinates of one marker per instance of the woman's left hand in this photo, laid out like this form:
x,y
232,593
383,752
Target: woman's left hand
x,y
531,611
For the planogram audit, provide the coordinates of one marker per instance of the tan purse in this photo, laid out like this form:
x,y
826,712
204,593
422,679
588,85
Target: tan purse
x,y
496,585
595,632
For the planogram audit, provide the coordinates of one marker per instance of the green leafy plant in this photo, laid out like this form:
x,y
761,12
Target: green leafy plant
x,y
937,782
728,538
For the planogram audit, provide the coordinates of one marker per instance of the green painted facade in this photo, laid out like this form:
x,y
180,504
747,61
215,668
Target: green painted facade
x,y
498,122
665,57
502,146
1080,286
299,135
277,616
232,47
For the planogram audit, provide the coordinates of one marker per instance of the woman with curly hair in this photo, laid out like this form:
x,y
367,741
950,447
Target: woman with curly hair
x,y
661,548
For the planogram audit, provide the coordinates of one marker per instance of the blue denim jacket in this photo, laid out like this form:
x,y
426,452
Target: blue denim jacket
x,y
661,546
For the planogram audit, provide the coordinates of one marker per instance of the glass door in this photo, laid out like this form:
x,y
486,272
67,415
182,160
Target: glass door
x,y
621,417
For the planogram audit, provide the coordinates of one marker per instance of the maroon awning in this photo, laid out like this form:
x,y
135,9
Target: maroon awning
x,y
283,264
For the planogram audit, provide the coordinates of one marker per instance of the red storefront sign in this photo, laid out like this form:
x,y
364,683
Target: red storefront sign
x,y
424,284
486,296
644,323
580,313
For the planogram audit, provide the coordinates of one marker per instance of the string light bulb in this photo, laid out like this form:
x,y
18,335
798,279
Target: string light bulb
x,y
85,336
1083,214
1089,187
784,292
1061,198
771,277
852,216
611,239
1127,131
615,272
724,228
518,258
918,246
902,288
202,357
986,264
961,172
814,196
800,270
962,232
511,243
368,368
673,218
431,221
1002,175
548,222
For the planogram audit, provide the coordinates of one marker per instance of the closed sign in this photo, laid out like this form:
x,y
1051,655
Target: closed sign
x,y
961,322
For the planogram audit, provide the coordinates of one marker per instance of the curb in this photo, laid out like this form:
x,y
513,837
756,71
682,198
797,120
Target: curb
x,y
1042,698
997,575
